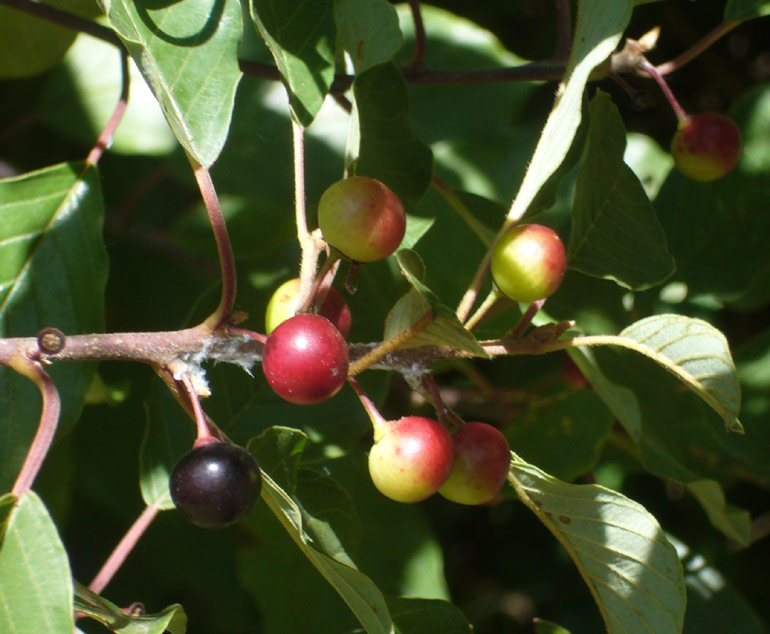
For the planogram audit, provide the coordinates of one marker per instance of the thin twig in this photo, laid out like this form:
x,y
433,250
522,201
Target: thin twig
x,y
419,35
122,550
105,138
696,49
645,67
563,30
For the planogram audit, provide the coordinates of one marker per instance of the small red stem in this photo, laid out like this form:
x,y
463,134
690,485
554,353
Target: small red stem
x,y
696,49
419,35
680,112
201,422
105,138
122,550
526,318
563,30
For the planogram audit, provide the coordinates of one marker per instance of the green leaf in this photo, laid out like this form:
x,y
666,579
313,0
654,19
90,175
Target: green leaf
x,y
30,45
79,99
35,577
172,619
416,228
368,31
301,37
168,435
696,353
600,25
546,627
188,54
318,540
388,149
427,616
563,434
620,550
732,521
746,9
445,330
53,270
615,233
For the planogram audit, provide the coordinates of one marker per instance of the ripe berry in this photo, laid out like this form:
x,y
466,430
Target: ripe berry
x,y
280,308
528,262
482,458
412,459
707,147
362,218
215,485
305,360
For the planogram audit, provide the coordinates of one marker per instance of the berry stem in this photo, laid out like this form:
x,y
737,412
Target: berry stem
x,y
323,280
444,414
122,550
224,247
419,35
386,347
379,423
482,311
46,429
105,138
563,30
696,49
649,69
526,318
204,434
483,233
470,296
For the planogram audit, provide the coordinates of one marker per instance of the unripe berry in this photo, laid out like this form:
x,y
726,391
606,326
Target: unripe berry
x,y
412,459
280,307
362,218
305,360
528,262
707,147
482,458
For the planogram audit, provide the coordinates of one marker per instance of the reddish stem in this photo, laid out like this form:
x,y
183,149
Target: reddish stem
x,y
526,318
696,49
419,35
224,248
105,138
563,30
681,115
122,550
379,423
49,419
201,423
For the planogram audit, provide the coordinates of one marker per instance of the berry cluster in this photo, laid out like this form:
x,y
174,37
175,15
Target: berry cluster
x,y
305,361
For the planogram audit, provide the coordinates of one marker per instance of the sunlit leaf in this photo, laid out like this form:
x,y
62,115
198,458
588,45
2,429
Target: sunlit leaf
x,y
746,9
619,548
35,577
368,31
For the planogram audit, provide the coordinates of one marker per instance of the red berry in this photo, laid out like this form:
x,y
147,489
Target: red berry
x,y
482,459
362,218
707,147
305,360
412,459
215,485
528,262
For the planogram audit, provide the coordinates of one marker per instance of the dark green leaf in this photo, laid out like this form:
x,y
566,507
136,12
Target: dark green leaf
x,y
388,149
746,9
35,577
615,233
53,269
172,619
546,627
188,54
300,36
427,616
368,31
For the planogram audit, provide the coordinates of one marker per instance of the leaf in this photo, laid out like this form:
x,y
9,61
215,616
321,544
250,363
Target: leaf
x,y
53,270
546,627
427,616
746,9
388,149
301,37
615,233
359,592
35,577
696,353
416,228
445,329
29,45
168,435
188,54
172,619
600,25
732,521
620,550
368,31
80,97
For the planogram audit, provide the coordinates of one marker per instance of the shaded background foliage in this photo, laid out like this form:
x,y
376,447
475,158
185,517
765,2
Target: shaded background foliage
x,y
496,563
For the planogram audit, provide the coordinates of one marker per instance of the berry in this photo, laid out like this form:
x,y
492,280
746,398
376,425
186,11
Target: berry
x,y
706,147
528,262
215,485
482,458
305,360
412,459
362,218
280,308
